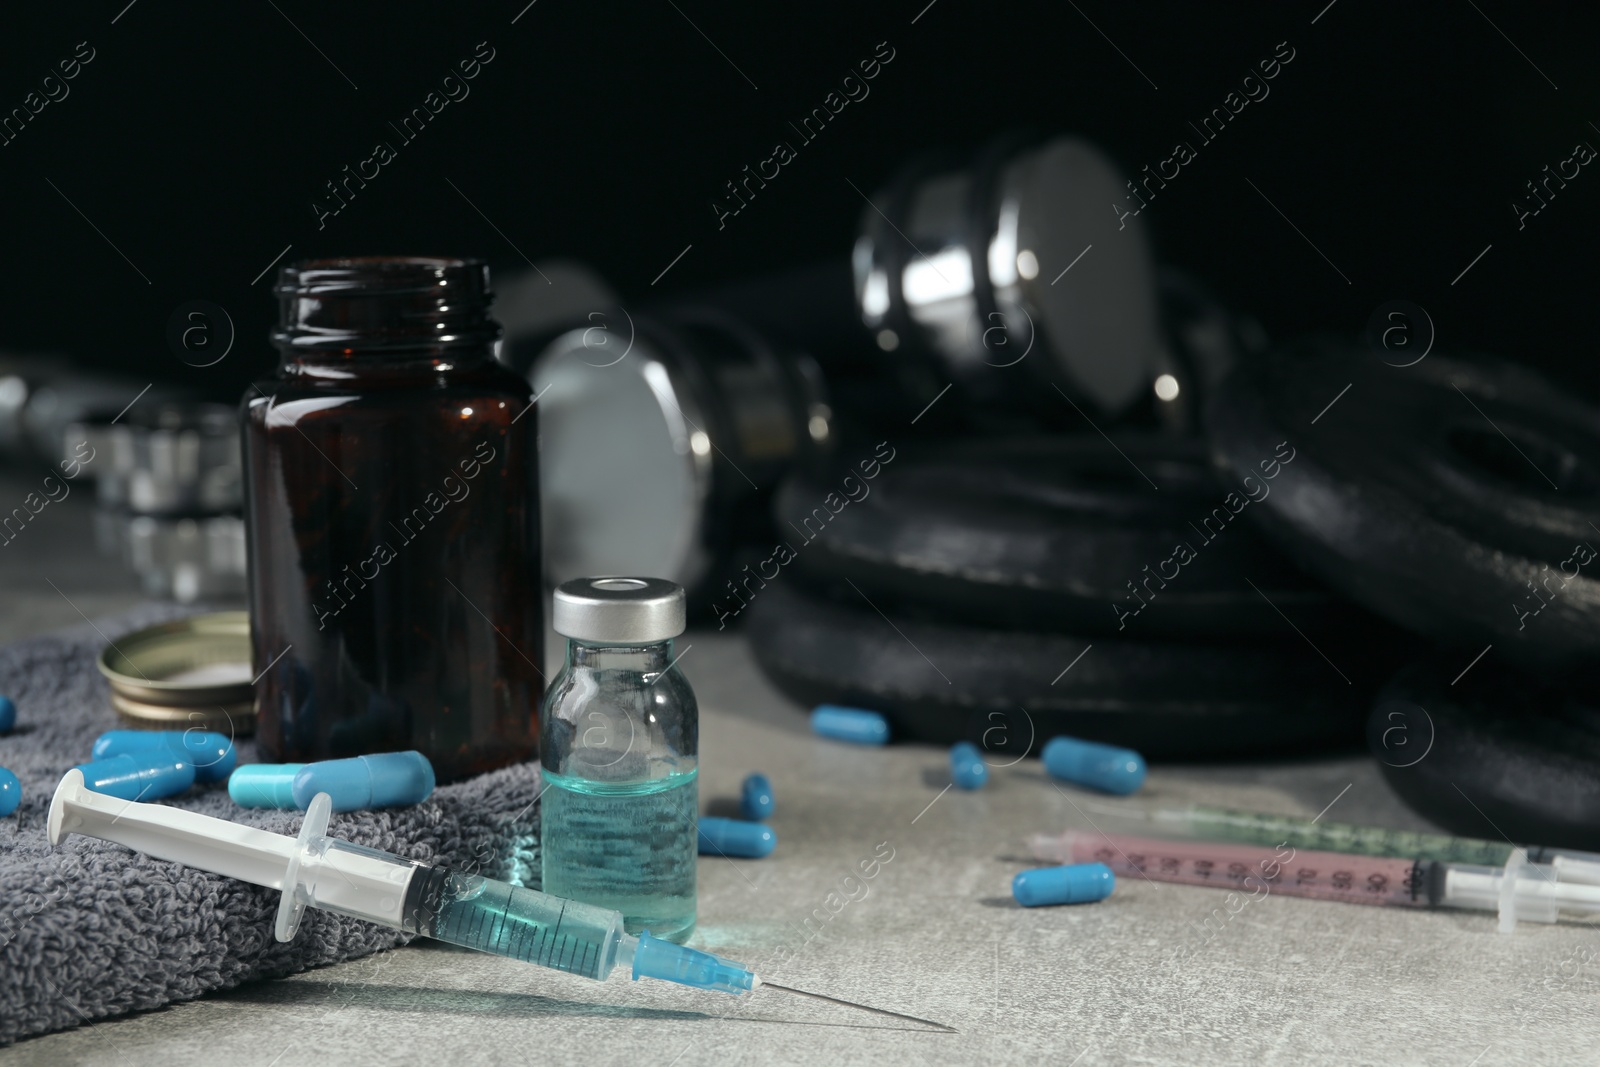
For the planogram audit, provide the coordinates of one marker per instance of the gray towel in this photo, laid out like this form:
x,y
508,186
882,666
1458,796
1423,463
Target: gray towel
x,y
91,929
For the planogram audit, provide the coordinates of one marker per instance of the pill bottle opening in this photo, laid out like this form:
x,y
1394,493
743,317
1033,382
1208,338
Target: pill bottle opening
x,y
618,584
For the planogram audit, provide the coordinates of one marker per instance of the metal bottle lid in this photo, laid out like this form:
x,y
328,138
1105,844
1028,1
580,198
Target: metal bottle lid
x,y
192,672
623,611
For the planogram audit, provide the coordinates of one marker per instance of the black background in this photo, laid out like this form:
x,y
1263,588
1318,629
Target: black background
x,y
200,134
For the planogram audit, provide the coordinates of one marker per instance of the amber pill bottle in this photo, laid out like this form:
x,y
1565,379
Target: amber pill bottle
x,y
392,521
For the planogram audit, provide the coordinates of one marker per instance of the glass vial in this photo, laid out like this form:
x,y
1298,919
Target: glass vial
x,y
392,517
620,735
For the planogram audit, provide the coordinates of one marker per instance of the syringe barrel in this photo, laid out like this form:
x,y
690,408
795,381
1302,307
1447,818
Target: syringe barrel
x,y
1326,835
507,920
1260,871
363,883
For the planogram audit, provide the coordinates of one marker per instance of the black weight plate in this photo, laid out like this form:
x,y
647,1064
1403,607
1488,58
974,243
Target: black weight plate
x,y
943,683
1496,755
1457,498
1071,533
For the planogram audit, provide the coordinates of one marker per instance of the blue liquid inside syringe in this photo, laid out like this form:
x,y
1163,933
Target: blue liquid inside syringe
x,y
507,920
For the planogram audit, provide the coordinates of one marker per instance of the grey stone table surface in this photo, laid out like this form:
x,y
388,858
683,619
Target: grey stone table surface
x,y
1131,980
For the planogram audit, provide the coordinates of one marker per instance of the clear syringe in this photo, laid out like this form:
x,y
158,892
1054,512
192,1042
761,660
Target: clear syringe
x,y
1259,828
324,872
1534,892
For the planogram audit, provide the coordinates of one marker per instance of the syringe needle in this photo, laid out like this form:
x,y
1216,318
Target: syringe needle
x,y
852,1004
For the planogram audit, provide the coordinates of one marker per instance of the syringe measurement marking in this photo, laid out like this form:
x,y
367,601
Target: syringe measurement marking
x,y
1340,884
488,927
1369,839
541,929
561,939
497,925
1270,830
567,944
545,949
475,927
519,934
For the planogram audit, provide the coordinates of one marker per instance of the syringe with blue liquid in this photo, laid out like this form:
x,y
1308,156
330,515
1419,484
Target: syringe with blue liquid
x,y
325,872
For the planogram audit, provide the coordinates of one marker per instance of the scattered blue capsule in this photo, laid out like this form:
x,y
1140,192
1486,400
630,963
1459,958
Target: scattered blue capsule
x,y
8,714
148,775
755,797
10,792
387,780
734,837
264,785
211,754
967,769
1076,883
1104,767
850,724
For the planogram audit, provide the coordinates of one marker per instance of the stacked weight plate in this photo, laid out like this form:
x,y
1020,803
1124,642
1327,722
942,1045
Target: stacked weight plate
x,y
1460,499
1115,589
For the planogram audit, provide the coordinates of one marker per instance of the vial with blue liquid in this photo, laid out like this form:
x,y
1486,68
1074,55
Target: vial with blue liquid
x,y
619,739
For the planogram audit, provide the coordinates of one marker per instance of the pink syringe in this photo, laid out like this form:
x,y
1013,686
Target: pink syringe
x,y
1520,890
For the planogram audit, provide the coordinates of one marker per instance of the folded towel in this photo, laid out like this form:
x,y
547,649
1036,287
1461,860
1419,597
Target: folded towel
x,y
91,929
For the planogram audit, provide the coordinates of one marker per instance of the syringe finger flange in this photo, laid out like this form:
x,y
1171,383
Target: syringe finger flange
x,y
313,831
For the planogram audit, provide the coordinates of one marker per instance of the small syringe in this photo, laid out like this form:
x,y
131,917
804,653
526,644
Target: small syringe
x,y
1259,828
365,883
1519,890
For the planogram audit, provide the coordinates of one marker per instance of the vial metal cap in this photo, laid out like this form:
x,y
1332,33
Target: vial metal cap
x,y
623,611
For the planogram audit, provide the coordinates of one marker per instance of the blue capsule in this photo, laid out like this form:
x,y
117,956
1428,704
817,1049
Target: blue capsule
x,y
10,792
1076,883
8,714
387,780
755,797
1104,767
967,769
734,837
850,724
148,775
264,785
210,754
